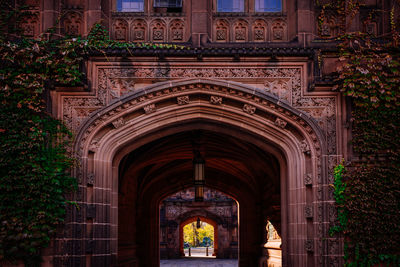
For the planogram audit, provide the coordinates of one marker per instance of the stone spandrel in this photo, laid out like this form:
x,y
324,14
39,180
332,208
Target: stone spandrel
x,y
285,83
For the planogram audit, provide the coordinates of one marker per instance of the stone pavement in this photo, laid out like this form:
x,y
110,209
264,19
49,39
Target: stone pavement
x,y
198,262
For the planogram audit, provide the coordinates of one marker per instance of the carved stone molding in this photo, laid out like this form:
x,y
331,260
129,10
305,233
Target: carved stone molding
x,y
308,179
309,245
149,108
118,123
280,123
308,211
183,100
249,109
305,148
94,145
90,179
216,100
115,82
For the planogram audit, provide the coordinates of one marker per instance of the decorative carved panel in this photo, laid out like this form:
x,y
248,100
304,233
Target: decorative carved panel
x,y
113,82
183,100
278,30
222,31
139,30
30,25
120,30
177,31
73,24
158,31
118,123
260,31
216,100
149,108
280,88
240,30
249,109
280,123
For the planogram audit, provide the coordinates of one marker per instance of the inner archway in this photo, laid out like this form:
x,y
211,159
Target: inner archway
x,y
233,166
198,232
217,212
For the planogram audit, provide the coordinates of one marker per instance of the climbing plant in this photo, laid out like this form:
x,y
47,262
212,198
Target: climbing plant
x,y
34,161
367,191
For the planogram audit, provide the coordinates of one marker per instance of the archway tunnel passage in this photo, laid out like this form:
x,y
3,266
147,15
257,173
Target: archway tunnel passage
x,y
234,165
207,228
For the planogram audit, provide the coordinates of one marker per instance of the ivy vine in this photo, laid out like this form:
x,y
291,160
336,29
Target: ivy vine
x,y
367,191
34,161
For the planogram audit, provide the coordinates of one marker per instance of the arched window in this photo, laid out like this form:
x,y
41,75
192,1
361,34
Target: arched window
x,y
130,5
230,5
268,5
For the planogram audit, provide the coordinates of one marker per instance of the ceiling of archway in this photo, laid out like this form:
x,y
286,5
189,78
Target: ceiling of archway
x,y
230,162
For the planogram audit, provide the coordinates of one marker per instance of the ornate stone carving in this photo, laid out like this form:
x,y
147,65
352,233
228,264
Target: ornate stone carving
x,y
177,30
149,108
118,123
222,31
120,86
280,88
329,27
280,123
216,100
90,179
325,30
321,108
120,30
94,145
30,25
73,23
308,211
249,108
309,245
279,30
240,30
183,100
305,148
139,29
259,31
158,30
308,179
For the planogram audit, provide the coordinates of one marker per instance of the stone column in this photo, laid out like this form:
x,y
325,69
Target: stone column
x,y
92,14
200,18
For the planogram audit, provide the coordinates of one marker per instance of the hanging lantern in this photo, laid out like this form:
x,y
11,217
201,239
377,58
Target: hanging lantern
x,y
199,180
198,225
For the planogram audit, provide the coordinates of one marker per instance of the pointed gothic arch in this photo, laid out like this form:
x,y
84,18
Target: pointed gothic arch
x,y
291,136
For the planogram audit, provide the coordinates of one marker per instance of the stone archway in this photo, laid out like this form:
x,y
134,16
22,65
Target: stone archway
x,y
203,219
287,134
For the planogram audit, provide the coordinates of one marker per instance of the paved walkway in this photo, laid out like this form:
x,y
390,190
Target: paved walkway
x,y
198,262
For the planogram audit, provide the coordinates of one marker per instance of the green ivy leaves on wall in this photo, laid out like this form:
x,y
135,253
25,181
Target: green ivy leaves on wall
x,y
367,192
34,162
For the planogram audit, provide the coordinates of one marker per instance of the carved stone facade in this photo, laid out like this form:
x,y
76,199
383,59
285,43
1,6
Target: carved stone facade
x,y
249,90
250,29
285,84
